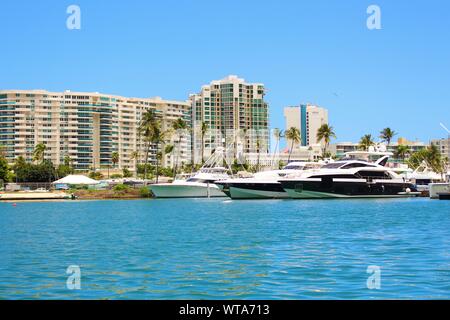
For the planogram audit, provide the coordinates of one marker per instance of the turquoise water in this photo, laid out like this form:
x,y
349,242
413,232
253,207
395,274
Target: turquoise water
x,y
224,249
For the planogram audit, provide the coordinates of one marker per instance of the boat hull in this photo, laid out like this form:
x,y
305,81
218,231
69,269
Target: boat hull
x,y
436,188
172,190
304,189
268,190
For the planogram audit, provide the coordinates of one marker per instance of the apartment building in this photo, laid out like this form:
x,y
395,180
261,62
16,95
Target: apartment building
x,y
87,127
444,146
236,116
308,119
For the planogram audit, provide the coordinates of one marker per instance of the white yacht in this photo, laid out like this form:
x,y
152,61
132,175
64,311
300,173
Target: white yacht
x,y
440,187
200,185
263,185
423,176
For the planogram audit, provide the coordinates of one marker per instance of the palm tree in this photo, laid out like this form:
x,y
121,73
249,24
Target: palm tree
x,y
158,137
401,152
135,156
277,134
180,126
168,149
115,158
258,150
39,152
386,135
146,127
325,133
366,141
293,134
203,130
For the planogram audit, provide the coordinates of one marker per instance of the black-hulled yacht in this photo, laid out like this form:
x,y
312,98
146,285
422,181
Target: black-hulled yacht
x,y
349,178
263,185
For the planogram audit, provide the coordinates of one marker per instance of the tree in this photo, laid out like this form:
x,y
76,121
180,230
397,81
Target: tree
x,y
39,152
293,134
158,137
431,156
386,135
135,156
168,149
258,150
325,133
146,127
5,171
203,130
277,134
180,126
366,141
115,158
401,152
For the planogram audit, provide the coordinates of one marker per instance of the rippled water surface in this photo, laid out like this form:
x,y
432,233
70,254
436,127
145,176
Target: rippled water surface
x,y
223,249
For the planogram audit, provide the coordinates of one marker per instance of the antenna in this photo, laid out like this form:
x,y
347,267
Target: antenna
x,y
445,128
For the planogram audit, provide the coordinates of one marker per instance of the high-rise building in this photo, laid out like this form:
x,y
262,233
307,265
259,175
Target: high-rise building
x,y
236,116
87,127
308,119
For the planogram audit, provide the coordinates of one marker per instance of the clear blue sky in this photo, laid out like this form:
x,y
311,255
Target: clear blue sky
x,y
303,51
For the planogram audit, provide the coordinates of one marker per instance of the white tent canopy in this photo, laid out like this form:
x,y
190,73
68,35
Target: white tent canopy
x,y
76,179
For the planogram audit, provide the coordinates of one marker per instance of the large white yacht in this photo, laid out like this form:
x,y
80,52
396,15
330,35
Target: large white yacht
x,y
263,185
355,176
200,185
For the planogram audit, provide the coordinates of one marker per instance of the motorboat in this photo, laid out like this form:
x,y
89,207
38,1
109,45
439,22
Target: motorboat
x,y
199,185
423,176
263,185
354,176
438,188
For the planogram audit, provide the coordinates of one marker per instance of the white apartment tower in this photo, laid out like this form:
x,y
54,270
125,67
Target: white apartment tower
x,y
87,127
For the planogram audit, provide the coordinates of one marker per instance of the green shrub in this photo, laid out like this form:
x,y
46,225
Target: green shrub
x,y
145,192
116,176
121,187
127,173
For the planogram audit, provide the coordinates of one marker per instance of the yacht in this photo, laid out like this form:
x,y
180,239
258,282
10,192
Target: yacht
x,y
263,185
351,177
423,176
440,187
199,185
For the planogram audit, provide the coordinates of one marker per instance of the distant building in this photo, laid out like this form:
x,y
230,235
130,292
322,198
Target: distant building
x,y
236,115
270,160
340,148
87,127
308,119
444,146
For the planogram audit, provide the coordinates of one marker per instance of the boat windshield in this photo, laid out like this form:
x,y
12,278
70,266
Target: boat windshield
x,y
294,167
334,165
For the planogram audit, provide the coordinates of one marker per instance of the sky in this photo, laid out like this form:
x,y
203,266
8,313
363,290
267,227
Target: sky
x,y
318,51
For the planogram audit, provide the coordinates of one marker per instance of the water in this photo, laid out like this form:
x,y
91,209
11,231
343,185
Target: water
x,y
223,249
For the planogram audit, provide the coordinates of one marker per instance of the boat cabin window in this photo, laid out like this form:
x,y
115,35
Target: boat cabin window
x,y
374,174
200,180
334,165
293,167
356,165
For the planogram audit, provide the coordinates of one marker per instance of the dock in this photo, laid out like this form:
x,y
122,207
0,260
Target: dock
x,y
20,196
